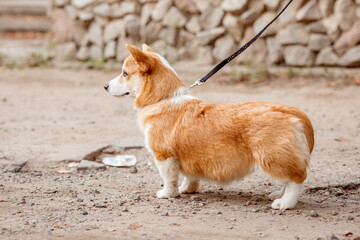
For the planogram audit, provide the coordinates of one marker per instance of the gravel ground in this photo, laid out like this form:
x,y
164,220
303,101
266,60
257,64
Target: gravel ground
x,y
50,119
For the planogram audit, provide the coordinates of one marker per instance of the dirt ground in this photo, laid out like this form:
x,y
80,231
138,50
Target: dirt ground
x,y
50,118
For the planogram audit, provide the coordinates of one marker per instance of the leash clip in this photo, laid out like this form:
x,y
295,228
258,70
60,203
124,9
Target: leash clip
x,y
196,83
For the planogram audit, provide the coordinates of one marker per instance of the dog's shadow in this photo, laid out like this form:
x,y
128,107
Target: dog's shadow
x,y
240,198
249,200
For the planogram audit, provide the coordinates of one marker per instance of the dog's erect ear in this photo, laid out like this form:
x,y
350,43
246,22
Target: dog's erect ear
x,y
142,59
146,48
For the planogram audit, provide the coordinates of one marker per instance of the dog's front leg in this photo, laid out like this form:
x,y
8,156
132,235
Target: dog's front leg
x,y
169,171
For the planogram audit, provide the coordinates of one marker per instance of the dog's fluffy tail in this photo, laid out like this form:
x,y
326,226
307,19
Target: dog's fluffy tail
x,y
305,121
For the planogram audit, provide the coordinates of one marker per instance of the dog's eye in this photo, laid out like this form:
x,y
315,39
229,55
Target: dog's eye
x,y
125,74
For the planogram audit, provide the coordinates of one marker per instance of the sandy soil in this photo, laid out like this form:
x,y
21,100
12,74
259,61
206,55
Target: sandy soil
x,y
50,118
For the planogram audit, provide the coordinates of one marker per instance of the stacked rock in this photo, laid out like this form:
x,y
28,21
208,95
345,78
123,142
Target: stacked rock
x,y
309,33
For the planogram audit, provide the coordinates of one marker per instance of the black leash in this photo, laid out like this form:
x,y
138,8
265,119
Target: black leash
x,y
237,53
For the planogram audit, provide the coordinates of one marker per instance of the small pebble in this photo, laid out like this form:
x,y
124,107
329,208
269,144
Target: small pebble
x,y
279,212
331,237
133,169
101,205
33,223
124,209
313,213
37,173
195,198
85,212
255,210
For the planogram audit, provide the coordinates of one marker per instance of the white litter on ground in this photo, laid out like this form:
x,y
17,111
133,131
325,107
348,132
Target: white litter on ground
x,y
120,161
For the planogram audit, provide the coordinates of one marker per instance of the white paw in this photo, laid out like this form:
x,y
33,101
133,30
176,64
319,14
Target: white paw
x,y
182,189
187,190
188,187
276,204
283,204
167,193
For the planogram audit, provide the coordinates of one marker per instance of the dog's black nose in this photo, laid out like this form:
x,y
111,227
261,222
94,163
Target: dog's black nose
x,y
106,86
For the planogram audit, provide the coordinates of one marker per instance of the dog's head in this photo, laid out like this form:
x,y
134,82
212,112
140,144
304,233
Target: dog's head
x,y
146,76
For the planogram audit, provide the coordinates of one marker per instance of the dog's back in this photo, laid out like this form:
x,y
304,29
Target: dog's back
x,y
224,142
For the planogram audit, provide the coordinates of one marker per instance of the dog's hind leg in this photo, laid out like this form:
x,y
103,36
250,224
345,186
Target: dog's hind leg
x,y
292,175
290,170
290,197
189,185
169,171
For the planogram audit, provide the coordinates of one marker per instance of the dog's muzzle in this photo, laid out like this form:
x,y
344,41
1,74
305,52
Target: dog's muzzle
x,y
106,86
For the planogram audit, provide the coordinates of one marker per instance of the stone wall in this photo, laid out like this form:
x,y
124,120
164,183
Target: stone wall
x,y
309,33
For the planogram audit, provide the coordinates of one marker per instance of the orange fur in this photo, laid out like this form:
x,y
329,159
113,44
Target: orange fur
x,y
159,81
223,142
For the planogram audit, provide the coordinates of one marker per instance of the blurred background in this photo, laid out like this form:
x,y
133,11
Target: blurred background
x,y
309,33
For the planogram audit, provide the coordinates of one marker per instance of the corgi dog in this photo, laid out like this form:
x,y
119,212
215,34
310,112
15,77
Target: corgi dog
x,y
218,142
